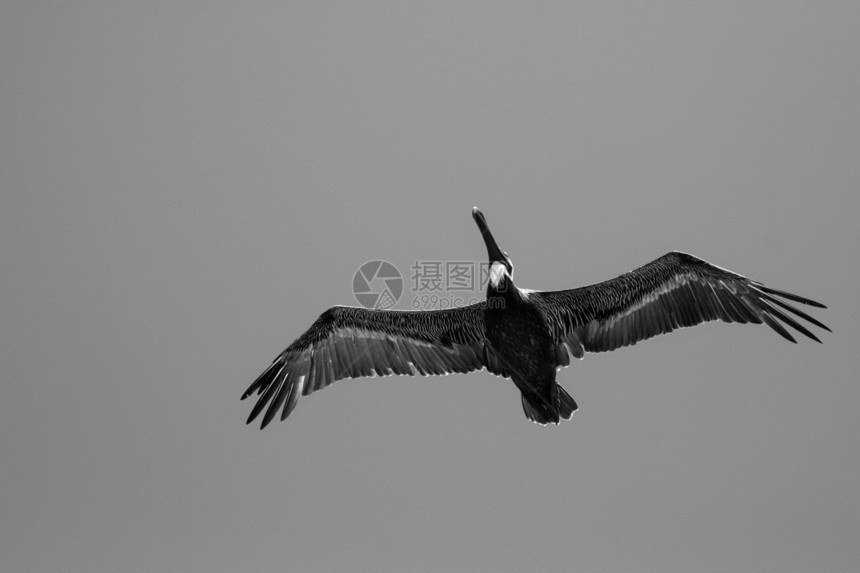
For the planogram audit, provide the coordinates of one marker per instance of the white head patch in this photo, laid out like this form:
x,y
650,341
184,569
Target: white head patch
x,y
497,271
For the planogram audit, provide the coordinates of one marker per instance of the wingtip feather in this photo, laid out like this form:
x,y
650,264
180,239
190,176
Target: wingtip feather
x,y
777,327
788,295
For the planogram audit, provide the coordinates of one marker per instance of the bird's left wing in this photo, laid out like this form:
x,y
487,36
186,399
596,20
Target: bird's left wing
x,y
675,291
353,342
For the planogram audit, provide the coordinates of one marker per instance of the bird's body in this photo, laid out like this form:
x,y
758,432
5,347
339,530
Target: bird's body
x,y
518,333
521,334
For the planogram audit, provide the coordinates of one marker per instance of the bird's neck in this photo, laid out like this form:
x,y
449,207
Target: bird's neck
x,y
504,293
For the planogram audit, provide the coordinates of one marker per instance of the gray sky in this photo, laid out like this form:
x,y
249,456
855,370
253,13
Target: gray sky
x,y
186,186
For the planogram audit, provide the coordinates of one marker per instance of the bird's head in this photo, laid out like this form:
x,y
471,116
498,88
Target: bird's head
x,y
501,268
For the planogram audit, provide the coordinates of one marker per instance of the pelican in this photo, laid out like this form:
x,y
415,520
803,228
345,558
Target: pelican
x,y
521,334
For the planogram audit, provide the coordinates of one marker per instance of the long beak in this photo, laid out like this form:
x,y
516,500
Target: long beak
x,y
493,249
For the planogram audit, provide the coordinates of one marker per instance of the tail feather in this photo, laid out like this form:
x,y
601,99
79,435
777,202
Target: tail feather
x,y
566,404
538,410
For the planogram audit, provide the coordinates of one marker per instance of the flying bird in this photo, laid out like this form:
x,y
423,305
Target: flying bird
x,y
521,334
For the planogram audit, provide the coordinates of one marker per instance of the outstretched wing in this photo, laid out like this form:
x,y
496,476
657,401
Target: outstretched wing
x,y
352,342
674,291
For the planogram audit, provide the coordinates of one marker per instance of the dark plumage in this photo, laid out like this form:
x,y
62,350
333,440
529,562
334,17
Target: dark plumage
x,y
520,334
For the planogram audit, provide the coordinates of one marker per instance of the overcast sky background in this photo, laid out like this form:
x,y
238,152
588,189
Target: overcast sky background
x,y
187,186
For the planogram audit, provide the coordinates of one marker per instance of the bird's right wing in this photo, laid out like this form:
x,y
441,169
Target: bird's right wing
x,y
353,342
677,290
